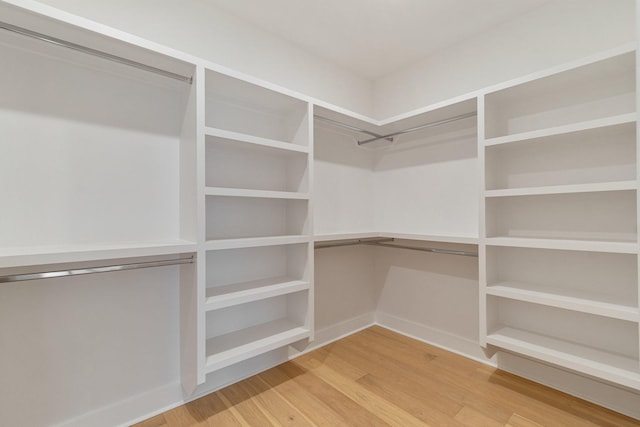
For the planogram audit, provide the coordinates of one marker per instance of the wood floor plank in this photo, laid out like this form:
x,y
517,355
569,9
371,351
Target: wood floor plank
x,y
314,409
157,421
384,409
520,421
207,411
269,401
412,404
249,413
380,378
400,378
472,418
349,410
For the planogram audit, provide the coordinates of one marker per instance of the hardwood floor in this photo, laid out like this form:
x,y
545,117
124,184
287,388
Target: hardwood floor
x,y
379,378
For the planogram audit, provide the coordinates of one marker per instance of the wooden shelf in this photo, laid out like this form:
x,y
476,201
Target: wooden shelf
x,y
264,194
40,255
252,242
225,350
585,302
613,367
564,189
560,130
240,293
256,140
624,247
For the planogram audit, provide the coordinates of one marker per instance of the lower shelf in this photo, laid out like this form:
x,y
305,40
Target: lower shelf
x,y
225,350
597,363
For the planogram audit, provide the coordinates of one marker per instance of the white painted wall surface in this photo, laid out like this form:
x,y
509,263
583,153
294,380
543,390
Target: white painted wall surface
x,y
343,181
72,345
560,31
428,186
197,28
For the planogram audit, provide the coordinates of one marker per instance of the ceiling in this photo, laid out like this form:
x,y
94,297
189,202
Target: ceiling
x,y
373,38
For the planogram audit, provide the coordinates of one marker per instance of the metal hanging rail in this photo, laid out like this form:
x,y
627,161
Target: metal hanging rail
x,y
350,127
418,248
351,242
389,242
417,128
94,52
93,270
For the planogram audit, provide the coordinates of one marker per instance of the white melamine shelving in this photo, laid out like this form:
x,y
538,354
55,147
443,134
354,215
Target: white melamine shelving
x,y
254,140
564,189
596,91
234,105
539,135
97,160
599,216
245,217
67,119
596,156
560,231
581,358
257,281
40,255
241,165
608,245
242,331
245,274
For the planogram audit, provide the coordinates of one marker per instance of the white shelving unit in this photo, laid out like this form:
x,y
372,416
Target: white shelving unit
x,y
257,279
559,235
97,161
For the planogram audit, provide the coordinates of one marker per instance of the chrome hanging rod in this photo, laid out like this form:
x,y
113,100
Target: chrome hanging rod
x,y
93,270
388,242
351,242
418,248
94,52
350,127
417,128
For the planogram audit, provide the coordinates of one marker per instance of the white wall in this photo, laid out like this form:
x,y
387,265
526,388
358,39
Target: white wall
x,y
195,27
343,184
560,31
70,345
428,186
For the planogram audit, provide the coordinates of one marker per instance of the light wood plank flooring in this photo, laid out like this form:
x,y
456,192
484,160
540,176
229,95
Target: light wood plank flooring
x,y
379,378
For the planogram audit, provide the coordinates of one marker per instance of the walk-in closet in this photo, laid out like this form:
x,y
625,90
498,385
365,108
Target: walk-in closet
x,y
190,199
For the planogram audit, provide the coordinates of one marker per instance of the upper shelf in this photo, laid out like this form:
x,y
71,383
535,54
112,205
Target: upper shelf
x,y
97,38
40,255
243,108
561,100
564,129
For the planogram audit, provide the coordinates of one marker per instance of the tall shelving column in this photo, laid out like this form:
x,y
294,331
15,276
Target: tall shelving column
x,y
256,284
559,244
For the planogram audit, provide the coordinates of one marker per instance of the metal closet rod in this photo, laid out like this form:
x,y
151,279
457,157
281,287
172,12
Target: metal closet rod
x,y
389,242
350,127
417,128
94,52
93,270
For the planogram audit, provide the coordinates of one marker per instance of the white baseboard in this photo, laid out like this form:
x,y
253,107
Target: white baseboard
x,y
614,397
340,330
437,337
122,413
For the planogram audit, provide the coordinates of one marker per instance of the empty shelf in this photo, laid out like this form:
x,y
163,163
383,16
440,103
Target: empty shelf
x,y
225,350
